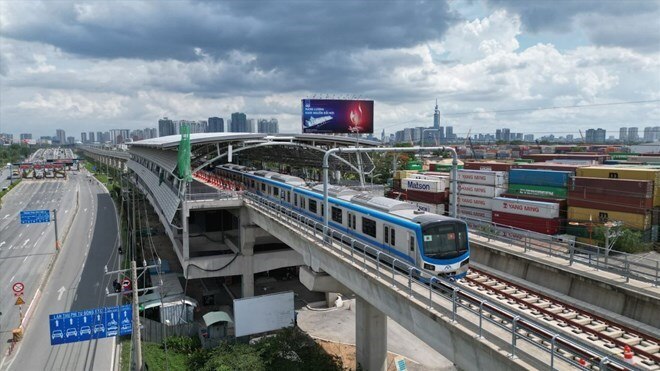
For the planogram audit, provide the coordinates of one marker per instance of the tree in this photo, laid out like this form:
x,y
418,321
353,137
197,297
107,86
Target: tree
x,y
291,349
629,241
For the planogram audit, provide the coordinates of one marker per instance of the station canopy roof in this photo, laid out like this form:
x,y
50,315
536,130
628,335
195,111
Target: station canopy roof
x,y
293,149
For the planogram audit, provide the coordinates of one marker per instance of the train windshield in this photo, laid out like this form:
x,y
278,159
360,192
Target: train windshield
x,y
445,240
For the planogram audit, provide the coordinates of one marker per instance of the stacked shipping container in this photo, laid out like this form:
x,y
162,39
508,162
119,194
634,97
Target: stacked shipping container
x,y
541,217
476,190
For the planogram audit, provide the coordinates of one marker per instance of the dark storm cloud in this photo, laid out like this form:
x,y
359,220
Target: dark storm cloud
x,y
632,23
278,31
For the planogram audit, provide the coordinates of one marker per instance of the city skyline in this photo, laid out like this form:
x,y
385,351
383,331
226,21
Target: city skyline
x,y
490,64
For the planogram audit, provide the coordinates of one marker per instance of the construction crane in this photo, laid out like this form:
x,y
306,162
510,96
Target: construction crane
x,y
582,136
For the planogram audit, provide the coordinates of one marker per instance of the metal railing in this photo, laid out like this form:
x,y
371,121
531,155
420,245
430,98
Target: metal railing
x,y
624,264
443,296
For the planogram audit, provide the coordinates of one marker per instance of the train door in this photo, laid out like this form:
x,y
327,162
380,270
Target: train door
x,y
351,220
389,236
412,247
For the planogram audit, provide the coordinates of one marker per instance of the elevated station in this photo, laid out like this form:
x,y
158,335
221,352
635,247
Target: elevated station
x,y
219,230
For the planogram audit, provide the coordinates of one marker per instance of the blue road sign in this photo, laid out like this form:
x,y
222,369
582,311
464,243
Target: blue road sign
x,y
35,216
71,327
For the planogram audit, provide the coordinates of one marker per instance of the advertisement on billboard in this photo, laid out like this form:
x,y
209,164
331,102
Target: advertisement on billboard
x,y
327,116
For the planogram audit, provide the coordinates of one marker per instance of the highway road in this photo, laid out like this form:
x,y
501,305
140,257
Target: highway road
x,y
77,282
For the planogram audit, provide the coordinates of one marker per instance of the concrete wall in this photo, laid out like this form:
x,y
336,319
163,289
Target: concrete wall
x,y
573,282
450,339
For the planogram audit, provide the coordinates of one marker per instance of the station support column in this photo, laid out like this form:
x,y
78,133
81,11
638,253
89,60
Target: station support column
x,y
247,251
370,336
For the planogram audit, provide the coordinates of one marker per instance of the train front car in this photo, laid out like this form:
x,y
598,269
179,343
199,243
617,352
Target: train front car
x,y
445,246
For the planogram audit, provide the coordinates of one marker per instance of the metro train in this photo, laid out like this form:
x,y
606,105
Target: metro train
x,y
437,245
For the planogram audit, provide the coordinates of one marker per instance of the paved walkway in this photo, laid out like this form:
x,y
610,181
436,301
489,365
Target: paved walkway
x,y
338,325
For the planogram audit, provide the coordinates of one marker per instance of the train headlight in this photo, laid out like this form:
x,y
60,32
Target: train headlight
x,y
430,267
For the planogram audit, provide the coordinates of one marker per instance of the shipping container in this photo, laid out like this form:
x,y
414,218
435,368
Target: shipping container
x,y
578,229
561,202
489,178
413,165
479,190
558,156
430,176
402,174
474,213
443,167
489,166
546,178
623,187
644,159
613,203
549,166
429,208
640,222
545,210
530,223
534,190
427,197
473,201
396,184
523,160
634,173
424,185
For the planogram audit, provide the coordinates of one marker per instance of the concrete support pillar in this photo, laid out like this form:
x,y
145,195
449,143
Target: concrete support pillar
x,y
246,234
371,336
330,299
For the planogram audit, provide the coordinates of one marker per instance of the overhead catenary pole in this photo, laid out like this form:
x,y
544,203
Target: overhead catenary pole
x,y
326,167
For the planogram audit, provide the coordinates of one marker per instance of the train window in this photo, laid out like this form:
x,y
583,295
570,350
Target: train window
x,y
392,236
276,191
386,234
336,214
312,206
295,200
288,196
354,224
252,183
368,227
302,202
263,187
412,243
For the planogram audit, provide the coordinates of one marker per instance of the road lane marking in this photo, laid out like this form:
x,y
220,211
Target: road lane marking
x,y
20,234
6,216
2,243
10,247
26,242
12,278
25,259
42,232
60,292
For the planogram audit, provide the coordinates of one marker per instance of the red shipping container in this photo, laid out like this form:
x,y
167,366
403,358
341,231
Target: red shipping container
x,y
613,203
606,186
542,157
490,166
540,225
428,197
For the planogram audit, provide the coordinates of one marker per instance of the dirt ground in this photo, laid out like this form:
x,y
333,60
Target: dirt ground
x,y
347,354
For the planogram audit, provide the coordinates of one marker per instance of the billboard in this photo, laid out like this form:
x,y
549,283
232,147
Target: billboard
x,y
263,313
324,116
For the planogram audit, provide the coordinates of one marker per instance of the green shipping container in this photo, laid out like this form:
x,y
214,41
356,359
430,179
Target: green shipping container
x,y
413,165
540,191
444,168
523,161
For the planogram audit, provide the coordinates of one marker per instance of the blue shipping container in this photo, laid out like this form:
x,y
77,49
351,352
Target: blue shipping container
x,y
547,178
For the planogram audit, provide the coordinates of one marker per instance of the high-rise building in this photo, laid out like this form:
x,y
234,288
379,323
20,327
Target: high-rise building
x,y
83,137
107,138
6,138
91,137
597,136
623,134
648,134
60,135
239,123
26,136
216,125
436,116
633,134
267,126
506,135
601,134
528,137
252,125
99,137
449,133
498,134
70,140
166,127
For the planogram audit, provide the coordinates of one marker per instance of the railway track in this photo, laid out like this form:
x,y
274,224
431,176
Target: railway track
x,y
610,337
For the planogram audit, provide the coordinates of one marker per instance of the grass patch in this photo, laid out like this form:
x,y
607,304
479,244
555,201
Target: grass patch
x,y
125,355
15,183
154,356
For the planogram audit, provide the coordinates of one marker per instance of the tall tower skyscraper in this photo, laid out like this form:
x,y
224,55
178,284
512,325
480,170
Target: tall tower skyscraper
x,y
436,116
238,123
216,125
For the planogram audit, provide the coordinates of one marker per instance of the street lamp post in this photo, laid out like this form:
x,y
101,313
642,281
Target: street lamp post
x,y
326,167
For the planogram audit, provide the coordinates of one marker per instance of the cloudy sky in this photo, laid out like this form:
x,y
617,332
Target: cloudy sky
x,y
99,65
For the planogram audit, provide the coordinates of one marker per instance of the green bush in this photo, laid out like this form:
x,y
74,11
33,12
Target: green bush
x,y
182,344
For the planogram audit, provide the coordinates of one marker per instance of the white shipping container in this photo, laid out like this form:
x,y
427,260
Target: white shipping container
x,y
429,177
473,213
429,208
479,190
485,177
545,210
425,185
473,201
